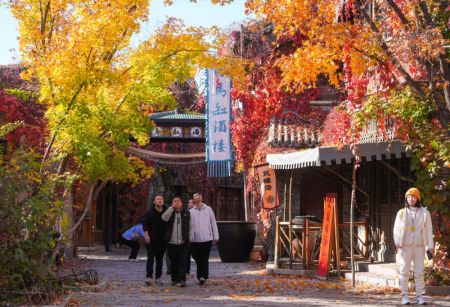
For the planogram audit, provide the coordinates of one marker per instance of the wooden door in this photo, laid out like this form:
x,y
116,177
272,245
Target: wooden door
x,y
387,200
315,186
85,236
228,204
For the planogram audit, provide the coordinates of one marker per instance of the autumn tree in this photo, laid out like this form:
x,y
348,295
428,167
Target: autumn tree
x,y
391,59
97,91
261,98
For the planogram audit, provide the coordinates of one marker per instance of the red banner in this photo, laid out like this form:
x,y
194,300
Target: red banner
x,y
327,235
268,186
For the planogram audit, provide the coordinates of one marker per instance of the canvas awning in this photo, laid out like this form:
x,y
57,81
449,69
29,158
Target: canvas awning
x,y
332,155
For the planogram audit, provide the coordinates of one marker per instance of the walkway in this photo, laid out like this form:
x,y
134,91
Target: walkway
x,y
230,284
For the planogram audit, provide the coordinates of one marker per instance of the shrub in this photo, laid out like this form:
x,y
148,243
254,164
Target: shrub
x,y
30,215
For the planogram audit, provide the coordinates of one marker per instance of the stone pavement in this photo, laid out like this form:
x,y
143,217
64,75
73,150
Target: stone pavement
x,y
230,284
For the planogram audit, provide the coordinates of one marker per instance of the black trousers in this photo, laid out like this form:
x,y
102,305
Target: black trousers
x,y
166,256
135,245
188,264
200,253
178,257
155,251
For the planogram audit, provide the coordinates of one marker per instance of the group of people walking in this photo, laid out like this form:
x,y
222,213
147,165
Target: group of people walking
x,y
192,230
182,231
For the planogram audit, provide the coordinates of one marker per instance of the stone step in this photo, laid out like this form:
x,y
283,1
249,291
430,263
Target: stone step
x,y
373,279
386,269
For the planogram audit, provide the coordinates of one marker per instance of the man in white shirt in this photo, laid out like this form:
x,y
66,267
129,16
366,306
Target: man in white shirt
x,y
205,232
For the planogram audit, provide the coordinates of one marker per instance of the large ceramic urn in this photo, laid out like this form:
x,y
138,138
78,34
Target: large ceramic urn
x,y
236,240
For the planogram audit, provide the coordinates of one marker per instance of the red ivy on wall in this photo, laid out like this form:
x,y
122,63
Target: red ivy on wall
x,y
32,132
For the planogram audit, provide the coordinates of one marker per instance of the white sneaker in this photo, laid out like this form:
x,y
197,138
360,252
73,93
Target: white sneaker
x,y
420,300
158,281
405,299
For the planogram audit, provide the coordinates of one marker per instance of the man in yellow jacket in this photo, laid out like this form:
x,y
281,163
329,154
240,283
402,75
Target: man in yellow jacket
x,y
413,235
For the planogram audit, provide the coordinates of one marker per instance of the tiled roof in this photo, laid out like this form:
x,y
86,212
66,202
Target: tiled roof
x,y
174,115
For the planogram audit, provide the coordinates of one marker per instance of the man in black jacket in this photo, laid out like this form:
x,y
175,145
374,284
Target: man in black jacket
x,y
154,232
179,232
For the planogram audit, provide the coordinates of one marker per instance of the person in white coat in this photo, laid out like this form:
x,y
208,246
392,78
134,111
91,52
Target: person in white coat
x,y
205,233
413,236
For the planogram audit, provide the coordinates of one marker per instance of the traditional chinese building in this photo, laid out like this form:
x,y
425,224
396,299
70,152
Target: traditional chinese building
x,y
177,153
306,171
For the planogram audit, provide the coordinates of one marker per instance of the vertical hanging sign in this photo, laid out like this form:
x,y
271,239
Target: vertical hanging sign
x,y
328,234
219,155
268,185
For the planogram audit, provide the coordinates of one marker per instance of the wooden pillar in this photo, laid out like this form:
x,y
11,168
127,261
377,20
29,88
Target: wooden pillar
x,y
290,222
337,239
306,254
245,196
277,243
284,201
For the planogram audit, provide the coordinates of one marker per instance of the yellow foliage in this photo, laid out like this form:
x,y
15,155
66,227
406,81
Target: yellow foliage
x,y
97,88
330,39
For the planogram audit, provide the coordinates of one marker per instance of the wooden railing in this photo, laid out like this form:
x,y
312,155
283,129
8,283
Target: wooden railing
x,y
301,242
361,245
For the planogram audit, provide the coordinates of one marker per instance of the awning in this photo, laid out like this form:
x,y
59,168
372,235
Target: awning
x,y
143,153
332,155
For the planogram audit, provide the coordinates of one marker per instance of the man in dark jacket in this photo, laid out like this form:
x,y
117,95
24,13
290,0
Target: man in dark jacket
x,y
154,232
179,232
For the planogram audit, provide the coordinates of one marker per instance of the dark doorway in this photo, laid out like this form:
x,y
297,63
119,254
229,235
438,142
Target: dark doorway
x,y
228,204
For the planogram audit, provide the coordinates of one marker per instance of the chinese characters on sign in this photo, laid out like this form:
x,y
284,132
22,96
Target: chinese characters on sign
x,y
218,116
268,186
176,132
196,132
219,108
328,234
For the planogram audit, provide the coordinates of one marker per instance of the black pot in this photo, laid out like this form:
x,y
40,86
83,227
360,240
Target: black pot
x,y
236,240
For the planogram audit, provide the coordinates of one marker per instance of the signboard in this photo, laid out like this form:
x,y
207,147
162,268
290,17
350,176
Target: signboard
x,y
268,186
196,132
219,155
328,234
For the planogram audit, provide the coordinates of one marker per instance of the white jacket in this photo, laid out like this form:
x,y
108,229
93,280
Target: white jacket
x,y
400,228
205,226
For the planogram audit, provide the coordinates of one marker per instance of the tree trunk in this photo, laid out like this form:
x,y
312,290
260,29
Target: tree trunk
x,y
70,250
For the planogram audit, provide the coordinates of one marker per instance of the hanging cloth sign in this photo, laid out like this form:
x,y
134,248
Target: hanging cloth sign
x,y
219,155
268,186
328,235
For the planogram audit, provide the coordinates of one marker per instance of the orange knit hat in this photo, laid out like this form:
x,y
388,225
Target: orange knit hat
x,y
413,191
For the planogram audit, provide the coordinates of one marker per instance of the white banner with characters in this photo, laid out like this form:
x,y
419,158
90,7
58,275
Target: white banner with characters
x,y
219,154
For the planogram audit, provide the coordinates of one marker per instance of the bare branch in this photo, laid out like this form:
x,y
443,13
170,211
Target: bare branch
x,y
414,85
396,171
374,57
399,13
443,64
345,180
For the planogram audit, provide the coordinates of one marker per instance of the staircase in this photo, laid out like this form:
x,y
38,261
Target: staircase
x,y
381,274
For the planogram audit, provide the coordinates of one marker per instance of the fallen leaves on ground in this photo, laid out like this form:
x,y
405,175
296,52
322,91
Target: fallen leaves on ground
x,y
273,284
241,296
73,302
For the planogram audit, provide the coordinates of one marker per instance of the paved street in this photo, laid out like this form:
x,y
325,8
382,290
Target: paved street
x,y
231,284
